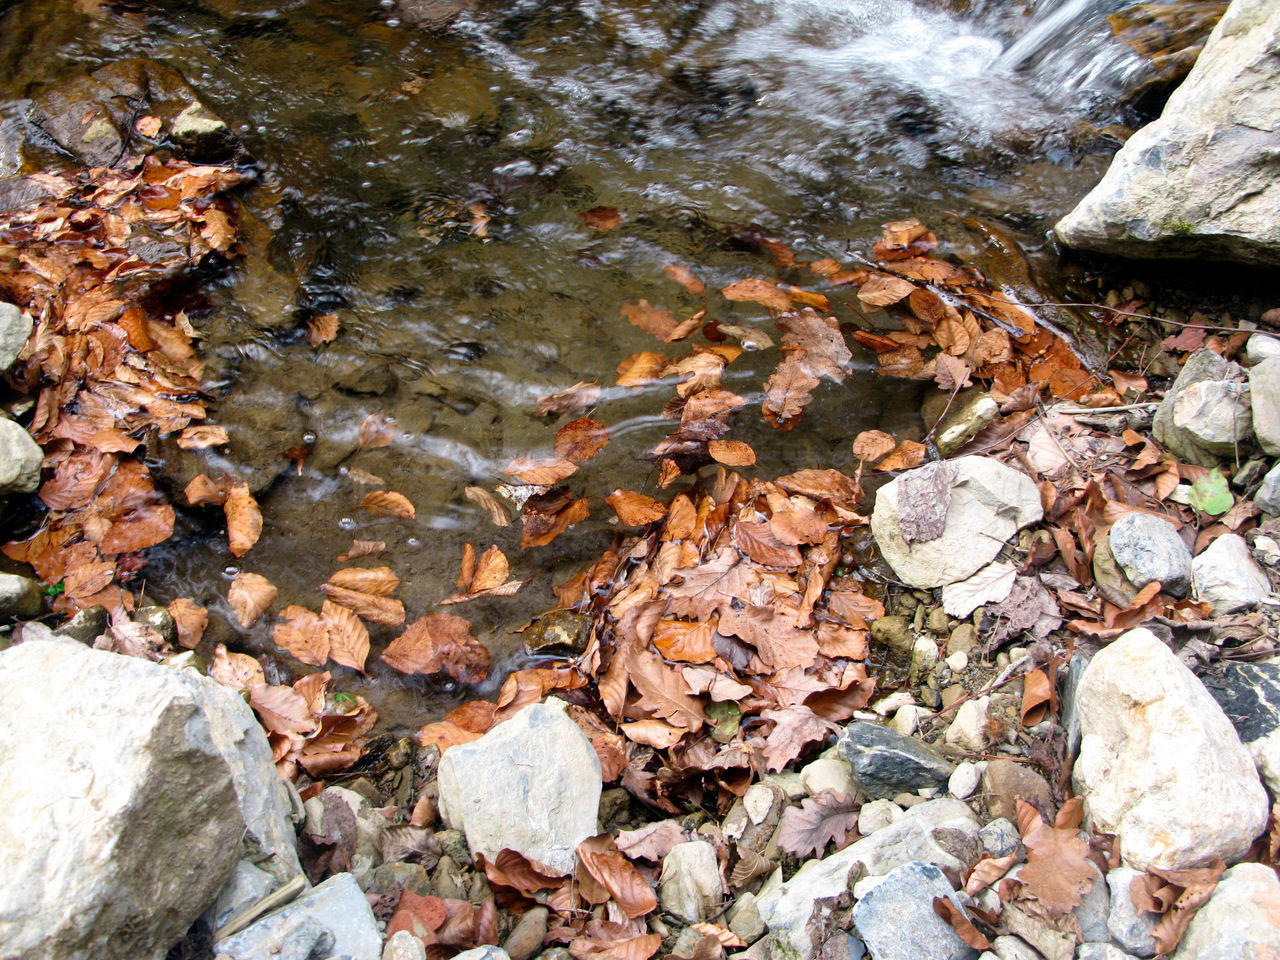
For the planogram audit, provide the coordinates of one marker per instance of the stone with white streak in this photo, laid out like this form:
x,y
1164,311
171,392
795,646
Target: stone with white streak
x,y
1160,764
1249,694
1241,921
989,503
539,756
1226,576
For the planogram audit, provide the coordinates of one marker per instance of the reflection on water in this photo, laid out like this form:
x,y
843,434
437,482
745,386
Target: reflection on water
x,y
421,178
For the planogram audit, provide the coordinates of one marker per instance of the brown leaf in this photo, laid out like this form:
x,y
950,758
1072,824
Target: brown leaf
x,y
951,373
361,548
1038,697
906,455
206,435
616,947
685,277
322,329
571,400
650,319
368,607
282,710
548,515
520,873
239,671
881,290
377,430
807,829
303,634
684,641
379,581
642,368
388,503
540,472
635,509
653,841
580,440
758,541
244,519
947,909
759,291
191,619
439,642
348,637
732,453
871,445
250,594
795,727
599,858
1058,869
601,219
499,514
789,390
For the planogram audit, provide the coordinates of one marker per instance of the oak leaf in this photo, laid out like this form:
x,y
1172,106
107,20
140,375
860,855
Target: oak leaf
x,y
249,595
820,819
795,727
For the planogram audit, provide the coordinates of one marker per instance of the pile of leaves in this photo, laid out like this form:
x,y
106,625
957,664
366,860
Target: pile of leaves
x,y
106,363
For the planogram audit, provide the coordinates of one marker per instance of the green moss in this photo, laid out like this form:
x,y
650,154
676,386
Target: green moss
x,y
1183,228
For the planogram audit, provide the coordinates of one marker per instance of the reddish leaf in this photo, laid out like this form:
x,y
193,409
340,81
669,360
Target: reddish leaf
x,y
602,861
650,319
439,642
580,440
601,219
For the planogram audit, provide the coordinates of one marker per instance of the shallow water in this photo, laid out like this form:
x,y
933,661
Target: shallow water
x,y
380,137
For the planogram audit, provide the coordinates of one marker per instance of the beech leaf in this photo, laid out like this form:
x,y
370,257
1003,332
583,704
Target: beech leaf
x,y
249,595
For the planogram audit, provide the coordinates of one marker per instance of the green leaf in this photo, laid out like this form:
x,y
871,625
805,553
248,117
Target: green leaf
x,y
54,589
343,698
1210,495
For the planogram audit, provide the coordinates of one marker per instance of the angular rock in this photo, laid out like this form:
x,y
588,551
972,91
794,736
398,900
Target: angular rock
x,y
1013,948
330,920
15,329
1000,837
20,597
1202,366
1004,783
1226,576
1049,943
989,503
1129,928
1093,911
540,756
941,832
897,921
1216,414
403,945
1267,498
1101,951
1261,347
1160,765
20,459
886,763
968,730
828,773
246,887
876,815
1148,548
690,886
120,816
1249,694
1264,388
1241,919
1195,183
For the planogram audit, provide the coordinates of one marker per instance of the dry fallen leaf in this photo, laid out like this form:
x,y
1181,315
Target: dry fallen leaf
x,y
377,430
239,671
388,503
881,291
1058,869
249,595
820,819
571,400
486,577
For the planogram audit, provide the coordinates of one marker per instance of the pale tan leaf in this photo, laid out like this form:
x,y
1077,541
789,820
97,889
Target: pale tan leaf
x,y
732,453
881,290
239,671
361,548
249,595
244,519
388,503
205,435
379,581
368,607
499,513
540,472
348,637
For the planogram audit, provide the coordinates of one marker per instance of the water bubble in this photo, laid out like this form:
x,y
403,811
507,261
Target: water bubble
x,y
347,523
231,571
413,542
393,21
309,437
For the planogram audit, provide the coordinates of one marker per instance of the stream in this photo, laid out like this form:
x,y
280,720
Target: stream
x,y
421,168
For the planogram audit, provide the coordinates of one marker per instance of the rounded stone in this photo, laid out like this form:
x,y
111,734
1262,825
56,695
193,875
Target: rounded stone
x,y
1148,548
20,459
964,780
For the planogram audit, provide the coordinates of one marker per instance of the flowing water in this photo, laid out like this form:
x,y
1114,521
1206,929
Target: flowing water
x,y
386,133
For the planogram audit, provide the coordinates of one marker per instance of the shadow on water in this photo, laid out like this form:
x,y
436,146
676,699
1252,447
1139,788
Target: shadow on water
x,y
422,166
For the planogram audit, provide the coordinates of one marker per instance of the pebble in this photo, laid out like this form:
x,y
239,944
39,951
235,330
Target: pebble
x,y
1000,837
20,459
1148,548
876,815
1261,347
525,940
963,639
1264,391
744,918
1013,948
403,945
828,773
968,731
958,661
939,622
896,920
1227,577
690,886
20,597
15,329
952,693
1128,927
1215,414
1267,498
1101,951
964,781
1005,782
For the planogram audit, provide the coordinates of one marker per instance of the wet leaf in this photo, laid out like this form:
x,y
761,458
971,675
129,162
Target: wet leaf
x,y
873,444
906,455
191,619
499,513
303,634
388,503
685,277
244,519
635,509
758,291
439,643
820,819
601,219
249,595
239,671
572,400
541,473
282,710
548,515
580,440
348,637
368,607
379,581
881,290
650,319
361,548
486,578
377,430
322,329
201,437
732,453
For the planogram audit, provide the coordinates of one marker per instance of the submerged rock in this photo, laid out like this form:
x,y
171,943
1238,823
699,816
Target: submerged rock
x,y
543,758
989,502
1160,765
1200,181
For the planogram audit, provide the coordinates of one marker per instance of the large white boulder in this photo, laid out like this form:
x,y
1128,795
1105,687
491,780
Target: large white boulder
x,y
1200,181
121,820
1160,765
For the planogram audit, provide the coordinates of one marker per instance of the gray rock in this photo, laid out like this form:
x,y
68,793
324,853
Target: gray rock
x,y
336,910
1070,686
1264,388
1261,347
120,816
1216,414
1160,765
941,832
1194,183
1000,837
1249,694
1093,911
690,886
1128,927
886,763
1239,920
1101,951
1013,948
403,945
1050,943
1226,576
86,626
989,503
1148,548
482,953
540,756
1267,498
1202,366
246,887
20,597
744,918
896,920
15,329
20,459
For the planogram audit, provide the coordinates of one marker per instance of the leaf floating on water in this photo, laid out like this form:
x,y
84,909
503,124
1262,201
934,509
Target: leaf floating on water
x,y
388,503
601,219
571,400
239,671
882,291
650,319
377,430
542,473
365,478
361,548
758,291
348,637
244,519
379,581
191,619
642,368
439,643
201,437
322,329
635,509
685,277
203,492
484,578
249,595
580,440
499,513
871,445
367,606
548,515
732,453
304,634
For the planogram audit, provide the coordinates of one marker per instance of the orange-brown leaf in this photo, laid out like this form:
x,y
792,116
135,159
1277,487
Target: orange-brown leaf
x,y
732,453
1058,870
361,548
377,430
244,519
685,641
602,861
322,329
548,515
388,503
540,472
190,618
366,606
871,445
348,637
249,595
439,642
580,440
601,219
758,291
239,671
205,435
685,277
379,581
906,455
635,509
303,634
650,319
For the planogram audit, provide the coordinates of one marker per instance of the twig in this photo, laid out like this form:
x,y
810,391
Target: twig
x,y
1128,406
1000,681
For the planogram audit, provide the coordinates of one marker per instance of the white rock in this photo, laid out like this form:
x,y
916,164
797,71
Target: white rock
x,y
828,773
1264,386
403,945
543,758
968,730
989,503
20,459
1261,347
1241,919
876,815
1013,948
964,781
1160,764
1148,548
1190,183
1201,366
1267,499
890,704
958,662
122,820
1217,415
907,719
1226,576
336,908
15,329
690,886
